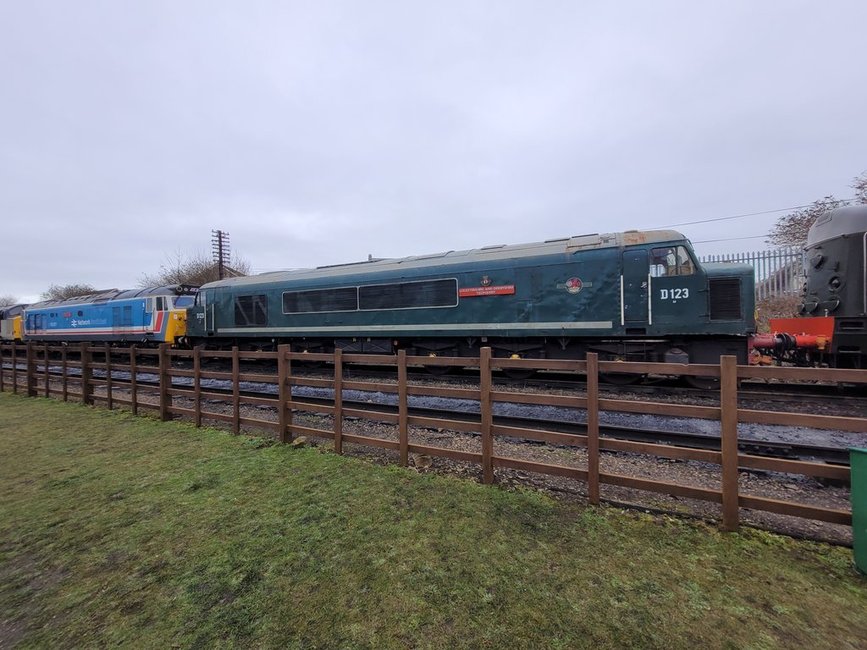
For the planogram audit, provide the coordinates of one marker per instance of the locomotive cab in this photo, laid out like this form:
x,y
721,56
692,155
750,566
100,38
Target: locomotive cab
x,y
11,325
710,307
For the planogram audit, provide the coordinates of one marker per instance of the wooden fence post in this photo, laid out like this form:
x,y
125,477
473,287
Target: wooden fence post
x,y
108,391
284,391
338,400
86,375
729,444
14,368
593,427
2,368
402,408
236,390
64,369
47,387
197,386
31,369
133,380
165,382
487,415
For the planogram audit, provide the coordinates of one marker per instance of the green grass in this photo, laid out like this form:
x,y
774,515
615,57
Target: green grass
x,y
117,530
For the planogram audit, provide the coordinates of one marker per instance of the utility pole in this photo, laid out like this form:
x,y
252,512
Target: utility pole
x,y
221,250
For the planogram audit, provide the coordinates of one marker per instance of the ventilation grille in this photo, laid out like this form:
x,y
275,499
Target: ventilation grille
x,y
725,299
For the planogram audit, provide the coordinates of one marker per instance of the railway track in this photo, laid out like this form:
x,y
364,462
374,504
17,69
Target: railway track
x,y
832,455
775,449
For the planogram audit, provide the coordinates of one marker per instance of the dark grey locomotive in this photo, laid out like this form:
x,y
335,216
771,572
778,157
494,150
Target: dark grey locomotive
x,y
836,282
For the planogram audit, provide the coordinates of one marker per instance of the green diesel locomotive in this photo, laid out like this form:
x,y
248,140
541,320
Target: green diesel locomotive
x,y
635,296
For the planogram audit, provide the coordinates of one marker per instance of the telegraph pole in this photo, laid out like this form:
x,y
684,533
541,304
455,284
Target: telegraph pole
x,y
221,250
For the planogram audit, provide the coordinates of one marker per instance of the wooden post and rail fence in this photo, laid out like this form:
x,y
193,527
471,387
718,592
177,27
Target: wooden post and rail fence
x,y
117,373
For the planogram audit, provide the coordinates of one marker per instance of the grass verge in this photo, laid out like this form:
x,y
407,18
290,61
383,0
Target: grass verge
x,y
122,530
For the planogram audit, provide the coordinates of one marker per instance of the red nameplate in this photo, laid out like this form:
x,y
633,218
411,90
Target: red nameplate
x,y
473,292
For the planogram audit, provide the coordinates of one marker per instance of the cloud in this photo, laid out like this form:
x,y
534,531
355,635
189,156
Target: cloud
x,y
321,133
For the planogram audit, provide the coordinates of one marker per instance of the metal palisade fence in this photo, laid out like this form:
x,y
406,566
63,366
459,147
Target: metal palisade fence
x,y
779,271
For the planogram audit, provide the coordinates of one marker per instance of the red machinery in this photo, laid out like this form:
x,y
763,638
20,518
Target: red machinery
x,y
813,338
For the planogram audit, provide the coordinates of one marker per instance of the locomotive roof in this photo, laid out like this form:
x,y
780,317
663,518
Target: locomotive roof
x,y
838,222
11,310
566,245
115,294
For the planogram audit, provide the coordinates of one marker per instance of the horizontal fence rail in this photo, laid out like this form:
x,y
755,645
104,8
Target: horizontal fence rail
x,y
142,380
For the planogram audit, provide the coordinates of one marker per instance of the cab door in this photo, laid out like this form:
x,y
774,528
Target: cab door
x,y
678,291
634,287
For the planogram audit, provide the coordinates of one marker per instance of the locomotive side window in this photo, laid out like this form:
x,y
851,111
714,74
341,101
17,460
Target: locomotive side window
x,y
251,311
320,300
670,261
409,295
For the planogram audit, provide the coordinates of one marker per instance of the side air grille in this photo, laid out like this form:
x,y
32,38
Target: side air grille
x,y
725,299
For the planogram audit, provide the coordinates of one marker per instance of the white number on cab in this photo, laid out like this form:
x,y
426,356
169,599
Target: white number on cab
x,y
674,294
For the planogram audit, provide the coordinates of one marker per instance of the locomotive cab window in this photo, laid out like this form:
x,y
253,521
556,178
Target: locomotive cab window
x,y
670,261
409,295
251,311
320,300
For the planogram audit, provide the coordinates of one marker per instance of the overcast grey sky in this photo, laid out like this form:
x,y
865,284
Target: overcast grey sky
x,y
322,132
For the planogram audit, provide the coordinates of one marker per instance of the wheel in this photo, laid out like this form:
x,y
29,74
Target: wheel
x,y
702,383
518,373
619,378
438,370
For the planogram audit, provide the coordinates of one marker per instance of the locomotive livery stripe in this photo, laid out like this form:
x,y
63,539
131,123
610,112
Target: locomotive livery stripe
x,y
120,329
89,330
583,325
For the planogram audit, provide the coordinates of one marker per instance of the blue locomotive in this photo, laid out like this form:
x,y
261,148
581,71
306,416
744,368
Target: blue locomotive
x,y
146,316
637,295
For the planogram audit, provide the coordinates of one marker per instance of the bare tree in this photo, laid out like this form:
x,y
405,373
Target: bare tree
x,y
7,300
791,230
196,269
859,184
62,292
